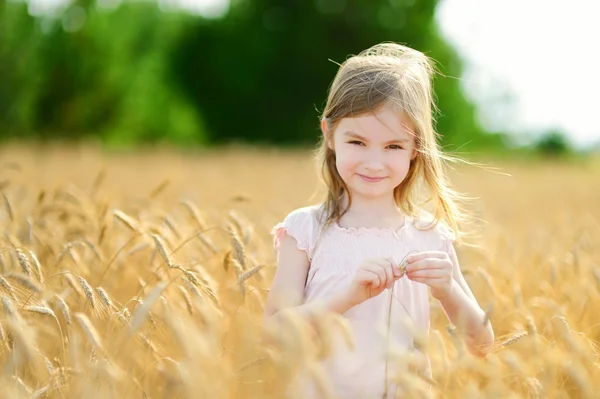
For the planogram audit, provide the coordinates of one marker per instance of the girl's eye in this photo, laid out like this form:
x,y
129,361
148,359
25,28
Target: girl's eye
x,y
392,146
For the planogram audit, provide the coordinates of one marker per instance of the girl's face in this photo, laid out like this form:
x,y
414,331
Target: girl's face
x,y
373,152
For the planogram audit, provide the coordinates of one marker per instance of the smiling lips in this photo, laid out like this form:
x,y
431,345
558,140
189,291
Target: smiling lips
x,y
371,179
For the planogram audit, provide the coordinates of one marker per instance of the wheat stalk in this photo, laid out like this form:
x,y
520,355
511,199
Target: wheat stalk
x,y
25,281
239,253
148,343
190,276
226,261
142,311
193,289
403,264
207,242
37,266
127,220
2,334
102,234
186,298
40,392
161,247
66,249
92,247
89,330
8,288
171,225
49,366
87,289
160,188
515,338
64,309
235,221
22,338
249,273
105,298
23,262
23,385
44,310
194,212
245,276
76,287
40,310
124,316
9,208
98,180
239,270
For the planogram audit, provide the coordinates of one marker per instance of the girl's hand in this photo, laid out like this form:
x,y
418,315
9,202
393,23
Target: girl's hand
x,y
372,277
434,269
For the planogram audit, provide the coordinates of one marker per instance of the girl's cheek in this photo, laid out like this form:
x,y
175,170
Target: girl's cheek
x,y
401,159
349,156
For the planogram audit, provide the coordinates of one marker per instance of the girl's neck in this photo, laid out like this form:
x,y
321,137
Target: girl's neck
x,y
376,210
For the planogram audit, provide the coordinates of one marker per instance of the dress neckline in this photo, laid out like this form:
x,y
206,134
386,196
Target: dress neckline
x,y
373,230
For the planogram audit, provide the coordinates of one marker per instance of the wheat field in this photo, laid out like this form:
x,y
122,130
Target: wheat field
x,y
144,275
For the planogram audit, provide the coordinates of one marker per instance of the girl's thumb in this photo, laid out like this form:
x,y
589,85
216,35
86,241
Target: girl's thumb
x,y
395,267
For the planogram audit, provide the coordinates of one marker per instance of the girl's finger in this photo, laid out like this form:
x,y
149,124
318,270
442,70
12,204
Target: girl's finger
x,y
378,270
386,266
423,255
389,274
371,277
429,273
432,282
395,267
428,263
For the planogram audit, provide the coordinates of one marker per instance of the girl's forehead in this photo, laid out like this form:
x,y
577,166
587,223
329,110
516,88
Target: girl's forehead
x,y
384,125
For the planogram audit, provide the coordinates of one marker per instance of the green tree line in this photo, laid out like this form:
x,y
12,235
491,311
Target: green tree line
x,y
141,74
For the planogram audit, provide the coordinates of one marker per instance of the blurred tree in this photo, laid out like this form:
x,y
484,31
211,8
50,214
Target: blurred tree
x,y
137,73
18,79
260,73
90,71
553,143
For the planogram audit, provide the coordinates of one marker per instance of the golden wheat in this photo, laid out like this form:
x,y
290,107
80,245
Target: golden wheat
x,y
64,308
88,329
534,269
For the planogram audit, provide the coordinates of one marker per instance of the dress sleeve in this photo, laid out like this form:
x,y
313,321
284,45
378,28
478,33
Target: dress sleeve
x,y
448,236
300,225
442,235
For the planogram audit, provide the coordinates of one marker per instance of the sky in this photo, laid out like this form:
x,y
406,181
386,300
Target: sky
x,y
542,55
530,65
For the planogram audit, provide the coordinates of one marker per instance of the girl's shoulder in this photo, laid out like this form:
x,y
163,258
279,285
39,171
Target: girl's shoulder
x,y
308,216
426,223
302,224
307,212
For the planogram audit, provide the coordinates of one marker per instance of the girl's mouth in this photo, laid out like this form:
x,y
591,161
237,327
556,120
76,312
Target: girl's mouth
x,y
371,179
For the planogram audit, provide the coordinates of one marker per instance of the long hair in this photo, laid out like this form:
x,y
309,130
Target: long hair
x,y
391,74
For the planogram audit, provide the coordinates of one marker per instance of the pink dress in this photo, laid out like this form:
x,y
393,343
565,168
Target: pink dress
x,y
360,373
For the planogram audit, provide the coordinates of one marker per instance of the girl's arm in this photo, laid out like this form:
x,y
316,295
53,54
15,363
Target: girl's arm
x,y
287,290
462,309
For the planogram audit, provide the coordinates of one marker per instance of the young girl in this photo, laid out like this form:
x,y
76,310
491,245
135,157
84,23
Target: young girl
x,y
380,157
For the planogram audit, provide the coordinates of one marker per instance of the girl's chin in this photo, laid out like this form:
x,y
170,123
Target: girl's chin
x,y
372,194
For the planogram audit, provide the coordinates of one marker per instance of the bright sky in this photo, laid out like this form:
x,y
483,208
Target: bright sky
x,y
543,52
530,64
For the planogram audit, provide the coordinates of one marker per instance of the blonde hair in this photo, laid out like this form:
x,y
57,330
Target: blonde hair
x,y
391,74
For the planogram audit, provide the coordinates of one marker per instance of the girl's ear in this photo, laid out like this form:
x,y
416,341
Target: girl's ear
x,y
414,154
325,131
324,127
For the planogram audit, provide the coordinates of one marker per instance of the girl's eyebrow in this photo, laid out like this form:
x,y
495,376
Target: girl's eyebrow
x,y
352,134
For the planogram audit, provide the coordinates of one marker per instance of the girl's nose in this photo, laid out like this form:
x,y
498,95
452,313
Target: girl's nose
x,y
373,162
